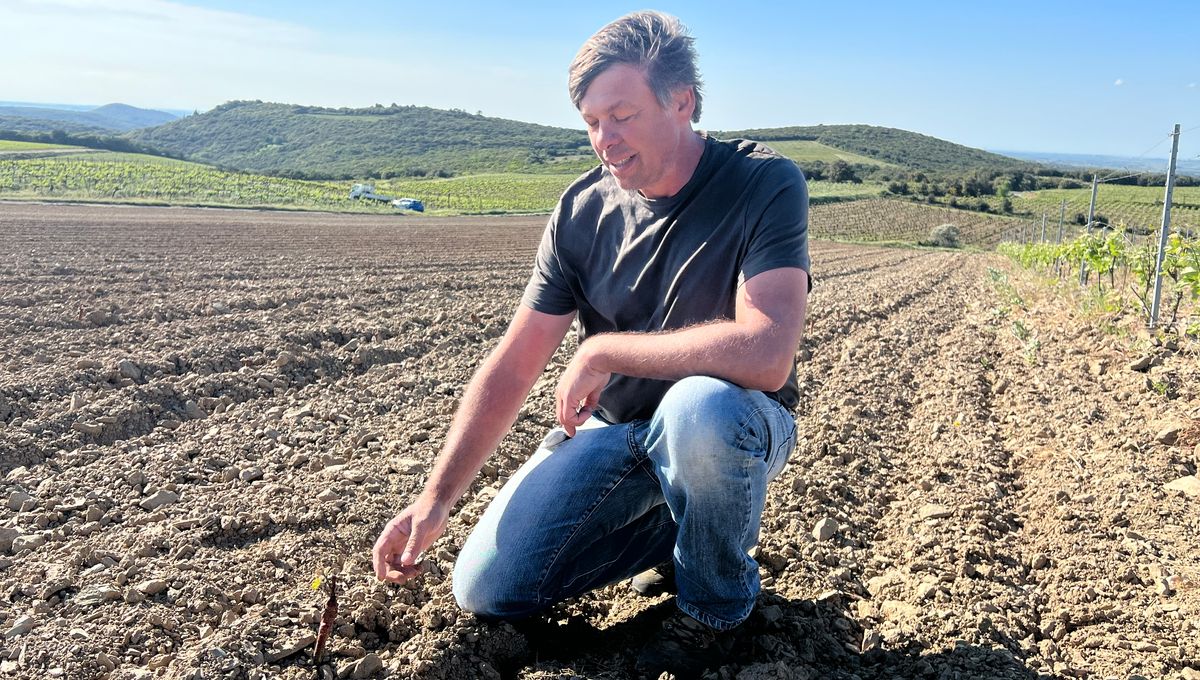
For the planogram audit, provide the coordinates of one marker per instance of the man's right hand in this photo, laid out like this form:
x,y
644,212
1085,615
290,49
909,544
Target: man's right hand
x,y
405,537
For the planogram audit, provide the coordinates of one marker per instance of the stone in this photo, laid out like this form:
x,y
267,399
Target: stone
x,y
193,410
1189,485
406,466
367,666
97,595
290,648
53,587
1168,434
128,369
22,626
250,474
78,401
298,413
934,511
895,610
283,359
7,536
328,496
160,661
16,499
152,587
1039,561
159,499
28,542
90,429
825,529
98,317
1142,364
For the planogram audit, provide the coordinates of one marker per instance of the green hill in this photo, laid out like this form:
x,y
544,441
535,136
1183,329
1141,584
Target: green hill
x,y
109,118
412,141
391,141
887,146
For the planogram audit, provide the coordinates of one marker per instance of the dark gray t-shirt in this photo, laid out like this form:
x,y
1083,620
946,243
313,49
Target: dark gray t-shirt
x,y
628,263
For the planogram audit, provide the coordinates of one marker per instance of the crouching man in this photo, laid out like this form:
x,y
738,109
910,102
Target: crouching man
x,y
686,262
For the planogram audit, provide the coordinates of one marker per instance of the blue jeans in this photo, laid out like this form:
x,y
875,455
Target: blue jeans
x,y
689,484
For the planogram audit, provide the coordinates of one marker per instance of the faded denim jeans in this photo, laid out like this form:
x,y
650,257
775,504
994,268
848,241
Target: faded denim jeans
x,y
689,484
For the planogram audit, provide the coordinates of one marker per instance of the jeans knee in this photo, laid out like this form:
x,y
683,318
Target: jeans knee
x,y
698,404
487,592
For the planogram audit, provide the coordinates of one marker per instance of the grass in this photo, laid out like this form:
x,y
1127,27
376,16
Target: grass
x,y
11,145
844,189
123,157
78,174
1139,208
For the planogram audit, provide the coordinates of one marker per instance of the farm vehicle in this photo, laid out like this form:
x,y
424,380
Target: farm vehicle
x,y
367,192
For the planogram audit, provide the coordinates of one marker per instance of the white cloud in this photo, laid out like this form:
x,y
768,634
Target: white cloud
x,y
1119,82
1192,85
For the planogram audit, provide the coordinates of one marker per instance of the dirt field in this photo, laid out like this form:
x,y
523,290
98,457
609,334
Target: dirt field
x,y
202,410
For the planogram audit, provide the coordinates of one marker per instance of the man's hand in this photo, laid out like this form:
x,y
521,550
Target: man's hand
x,y
578,392
405,537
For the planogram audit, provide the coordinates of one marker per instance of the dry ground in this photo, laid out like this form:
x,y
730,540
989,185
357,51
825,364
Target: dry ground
x,y
201,410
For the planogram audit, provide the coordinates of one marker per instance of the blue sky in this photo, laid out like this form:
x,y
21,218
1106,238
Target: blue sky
x,y
1078,77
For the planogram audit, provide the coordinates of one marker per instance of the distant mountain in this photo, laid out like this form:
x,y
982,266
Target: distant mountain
x,y
1184,166
109,118
890,145
317,142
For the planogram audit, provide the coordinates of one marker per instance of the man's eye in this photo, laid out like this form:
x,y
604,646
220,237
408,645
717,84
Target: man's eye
x,y
622,120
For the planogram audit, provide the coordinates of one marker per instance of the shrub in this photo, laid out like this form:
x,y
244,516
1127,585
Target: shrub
x,y
945,236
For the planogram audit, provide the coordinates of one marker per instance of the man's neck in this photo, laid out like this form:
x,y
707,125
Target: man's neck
x,y
691,148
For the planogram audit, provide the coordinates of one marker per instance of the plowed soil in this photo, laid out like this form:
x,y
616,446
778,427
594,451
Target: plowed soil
x,y
203,410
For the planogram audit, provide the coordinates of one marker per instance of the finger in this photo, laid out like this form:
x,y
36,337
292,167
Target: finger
x,y
418,541
401,575
379,555
385,546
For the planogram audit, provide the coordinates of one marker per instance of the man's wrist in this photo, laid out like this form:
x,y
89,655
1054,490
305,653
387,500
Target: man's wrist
x,y
437,499
593,355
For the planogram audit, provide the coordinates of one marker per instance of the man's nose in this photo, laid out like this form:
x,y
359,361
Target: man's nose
x,y
606,136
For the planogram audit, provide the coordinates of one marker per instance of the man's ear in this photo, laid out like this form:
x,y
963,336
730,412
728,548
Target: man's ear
x,y
684,100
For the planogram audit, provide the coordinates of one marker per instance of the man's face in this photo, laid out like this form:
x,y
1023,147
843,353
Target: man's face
x,y
635,137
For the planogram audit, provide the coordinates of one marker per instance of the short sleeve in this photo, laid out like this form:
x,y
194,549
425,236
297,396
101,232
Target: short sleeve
x,y
548,291
778,238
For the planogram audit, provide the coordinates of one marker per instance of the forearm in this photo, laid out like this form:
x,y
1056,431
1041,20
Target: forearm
x,y
735,352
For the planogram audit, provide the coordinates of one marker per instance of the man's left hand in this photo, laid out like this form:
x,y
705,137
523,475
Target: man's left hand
x,y
578,392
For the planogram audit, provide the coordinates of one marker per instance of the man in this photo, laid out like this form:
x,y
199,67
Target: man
x,y
685,260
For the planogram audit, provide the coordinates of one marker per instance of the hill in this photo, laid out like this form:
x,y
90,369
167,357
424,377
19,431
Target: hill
x,y
379,141
887,146
103,119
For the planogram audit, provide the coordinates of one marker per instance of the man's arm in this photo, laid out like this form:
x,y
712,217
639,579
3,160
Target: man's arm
x,y
756,350
487,411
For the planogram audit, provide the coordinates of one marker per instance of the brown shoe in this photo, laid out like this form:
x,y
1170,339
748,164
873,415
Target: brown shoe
x,y
655,581
685,648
